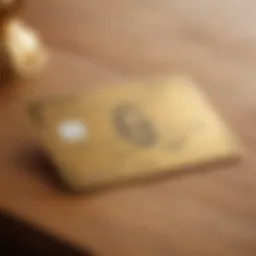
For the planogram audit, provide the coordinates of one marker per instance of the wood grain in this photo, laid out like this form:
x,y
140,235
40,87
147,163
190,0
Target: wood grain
x,y
95,41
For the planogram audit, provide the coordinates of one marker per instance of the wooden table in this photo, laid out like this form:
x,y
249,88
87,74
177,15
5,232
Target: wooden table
x,y
96,41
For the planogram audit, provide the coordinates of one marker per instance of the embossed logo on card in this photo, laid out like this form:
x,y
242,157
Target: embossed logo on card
x,y
133,125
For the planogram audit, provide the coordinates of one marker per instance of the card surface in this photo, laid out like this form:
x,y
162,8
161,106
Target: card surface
x,y
119,133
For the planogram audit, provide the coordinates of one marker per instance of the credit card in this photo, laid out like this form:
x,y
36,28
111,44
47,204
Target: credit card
x,y
119,133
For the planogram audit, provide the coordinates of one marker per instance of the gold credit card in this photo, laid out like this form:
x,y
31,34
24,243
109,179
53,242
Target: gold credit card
x,y
118,133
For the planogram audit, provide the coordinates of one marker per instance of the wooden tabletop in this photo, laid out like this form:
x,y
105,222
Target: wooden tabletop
x,y
96,41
